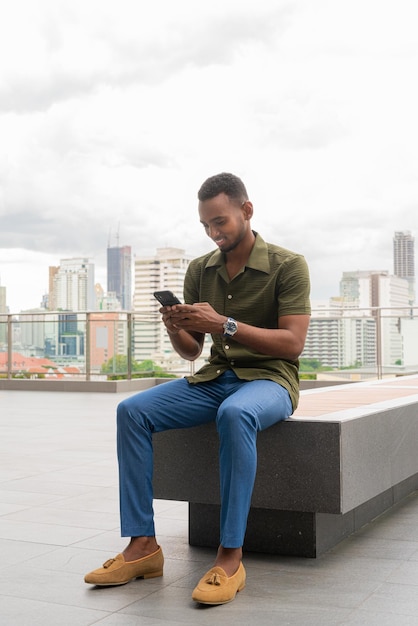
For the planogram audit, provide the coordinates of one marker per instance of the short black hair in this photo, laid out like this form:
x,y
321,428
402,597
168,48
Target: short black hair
x,y
226,183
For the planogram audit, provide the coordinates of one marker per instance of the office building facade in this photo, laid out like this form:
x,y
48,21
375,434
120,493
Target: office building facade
x,y
3,318
404,259
361,327
119,275
72,285
165,270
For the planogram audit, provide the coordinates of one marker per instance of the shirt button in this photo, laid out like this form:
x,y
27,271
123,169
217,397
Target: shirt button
x,y
232,362
229,296
218,371
226,347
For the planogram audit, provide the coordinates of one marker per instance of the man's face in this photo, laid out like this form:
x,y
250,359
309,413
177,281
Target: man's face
x,y
225,221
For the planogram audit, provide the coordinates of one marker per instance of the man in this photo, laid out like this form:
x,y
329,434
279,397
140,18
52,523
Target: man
x,y
253,297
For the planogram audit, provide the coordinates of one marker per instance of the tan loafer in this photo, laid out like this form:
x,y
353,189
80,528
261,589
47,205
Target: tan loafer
x,y
216,588
117,571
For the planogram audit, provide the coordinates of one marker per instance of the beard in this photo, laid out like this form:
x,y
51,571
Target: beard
x,y
230,245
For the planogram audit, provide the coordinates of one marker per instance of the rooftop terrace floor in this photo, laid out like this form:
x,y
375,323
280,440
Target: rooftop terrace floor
x,y
59,519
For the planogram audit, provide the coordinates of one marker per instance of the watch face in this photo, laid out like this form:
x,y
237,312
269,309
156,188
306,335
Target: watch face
x,y
230,327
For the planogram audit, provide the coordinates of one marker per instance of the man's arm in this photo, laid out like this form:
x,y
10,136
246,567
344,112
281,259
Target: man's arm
x,y
285,342
187,343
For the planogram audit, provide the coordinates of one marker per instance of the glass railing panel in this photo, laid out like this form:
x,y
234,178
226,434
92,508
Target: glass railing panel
x,y
358,344
341,345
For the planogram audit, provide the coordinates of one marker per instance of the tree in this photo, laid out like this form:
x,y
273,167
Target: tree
x,y
118,366
309,365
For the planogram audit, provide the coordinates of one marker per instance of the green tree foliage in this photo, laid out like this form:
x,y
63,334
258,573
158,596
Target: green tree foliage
x,y
117,366
309,365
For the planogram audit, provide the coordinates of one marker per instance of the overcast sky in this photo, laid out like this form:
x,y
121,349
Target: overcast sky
x,y
113,112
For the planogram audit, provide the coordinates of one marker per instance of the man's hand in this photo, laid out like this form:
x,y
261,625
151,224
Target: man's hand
x,y
199,318
186,338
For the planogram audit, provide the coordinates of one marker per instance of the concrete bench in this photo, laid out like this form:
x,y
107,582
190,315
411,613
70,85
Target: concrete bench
x,y
347,454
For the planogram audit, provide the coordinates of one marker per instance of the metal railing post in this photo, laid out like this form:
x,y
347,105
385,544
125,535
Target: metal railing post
x,y
87,347
129,346
9,346
379,364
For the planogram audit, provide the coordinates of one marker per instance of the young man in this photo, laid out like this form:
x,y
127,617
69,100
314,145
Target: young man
x,y
253,298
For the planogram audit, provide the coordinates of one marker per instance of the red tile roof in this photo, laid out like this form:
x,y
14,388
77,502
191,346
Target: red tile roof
x,y
35,365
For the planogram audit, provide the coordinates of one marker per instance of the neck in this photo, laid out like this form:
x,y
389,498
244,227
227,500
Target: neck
x,y
239,255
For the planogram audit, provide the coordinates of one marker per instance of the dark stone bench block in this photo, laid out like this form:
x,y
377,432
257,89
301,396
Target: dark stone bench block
x,y
318,480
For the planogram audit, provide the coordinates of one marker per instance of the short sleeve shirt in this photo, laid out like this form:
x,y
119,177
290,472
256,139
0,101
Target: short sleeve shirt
x,y
274,282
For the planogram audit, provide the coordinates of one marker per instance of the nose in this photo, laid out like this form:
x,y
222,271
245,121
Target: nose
x,y
213,232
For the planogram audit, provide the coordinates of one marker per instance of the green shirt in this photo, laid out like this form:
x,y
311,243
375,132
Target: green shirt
x,y
274,282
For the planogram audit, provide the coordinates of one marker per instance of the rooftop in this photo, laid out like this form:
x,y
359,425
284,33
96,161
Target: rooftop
x,y
59,519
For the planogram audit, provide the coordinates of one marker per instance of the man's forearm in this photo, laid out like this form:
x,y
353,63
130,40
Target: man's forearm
x,y
189,347
285,343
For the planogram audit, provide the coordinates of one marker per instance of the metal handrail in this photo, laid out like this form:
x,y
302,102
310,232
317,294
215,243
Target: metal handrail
x,y
133,321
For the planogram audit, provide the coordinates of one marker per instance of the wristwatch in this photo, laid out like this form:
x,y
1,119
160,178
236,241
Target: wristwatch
x,y
230,327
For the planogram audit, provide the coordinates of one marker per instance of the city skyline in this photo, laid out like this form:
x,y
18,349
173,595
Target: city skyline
x,y
113,113
397,258
370,322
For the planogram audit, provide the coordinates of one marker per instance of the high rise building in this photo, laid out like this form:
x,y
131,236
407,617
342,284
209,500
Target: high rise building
x,y
3,318
165,270
404,259
338,339
52,272
374,288
119,274
391,294
73,285
3,306
369,308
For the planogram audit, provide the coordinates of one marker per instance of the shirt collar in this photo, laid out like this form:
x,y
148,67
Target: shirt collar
x,y
258,259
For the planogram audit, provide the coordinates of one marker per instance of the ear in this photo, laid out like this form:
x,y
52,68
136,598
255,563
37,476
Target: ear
x,y
247,209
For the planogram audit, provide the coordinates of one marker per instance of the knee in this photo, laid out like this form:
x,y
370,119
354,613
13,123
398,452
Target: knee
x,y
235,419
125,412
121,408
121,413
131,414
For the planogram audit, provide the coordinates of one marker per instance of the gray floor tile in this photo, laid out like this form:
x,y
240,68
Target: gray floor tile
x,y
13,552
378,548
28,498
176,604
6,508
406,573
59,520
367,618
97,500
119,619
40,484
69,589
65,517
23,612
395,599
44,533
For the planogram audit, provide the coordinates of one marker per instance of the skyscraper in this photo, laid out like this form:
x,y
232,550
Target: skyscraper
x,y
73,285
3,306
404,259
165,270
119,274
3,319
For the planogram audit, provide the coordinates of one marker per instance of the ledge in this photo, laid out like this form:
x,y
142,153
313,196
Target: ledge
x,y
113,386
96,386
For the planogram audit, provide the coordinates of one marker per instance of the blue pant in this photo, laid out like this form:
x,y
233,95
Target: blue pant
x,y
239,408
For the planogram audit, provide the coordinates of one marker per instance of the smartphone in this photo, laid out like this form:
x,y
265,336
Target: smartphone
x,y
166,298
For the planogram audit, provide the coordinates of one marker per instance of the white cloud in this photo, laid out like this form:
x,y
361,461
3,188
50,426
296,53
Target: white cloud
x,y
113,113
